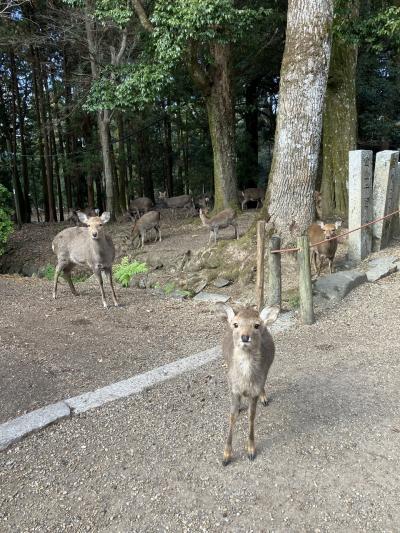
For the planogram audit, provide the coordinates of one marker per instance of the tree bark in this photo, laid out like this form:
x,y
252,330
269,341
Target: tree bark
x,y
339,126
221,121
122,163
251,123
304,72
168,158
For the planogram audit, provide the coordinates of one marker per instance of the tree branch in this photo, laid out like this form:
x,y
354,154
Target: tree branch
x,y
198,74
142,15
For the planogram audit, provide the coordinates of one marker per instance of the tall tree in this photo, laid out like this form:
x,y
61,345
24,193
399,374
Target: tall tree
x,y
340,119
304,73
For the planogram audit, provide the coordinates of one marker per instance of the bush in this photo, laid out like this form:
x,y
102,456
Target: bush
x,y
6,225
124,271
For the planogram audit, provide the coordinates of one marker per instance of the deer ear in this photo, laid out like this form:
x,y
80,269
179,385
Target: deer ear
x,y
82,217
105,217
338,223
225,310
321,224
269,314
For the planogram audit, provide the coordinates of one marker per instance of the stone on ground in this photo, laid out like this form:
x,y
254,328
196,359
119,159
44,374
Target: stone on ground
x,y
337,286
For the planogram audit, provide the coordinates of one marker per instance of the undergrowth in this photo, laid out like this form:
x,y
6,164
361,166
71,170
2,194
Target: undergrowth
x,y
125,270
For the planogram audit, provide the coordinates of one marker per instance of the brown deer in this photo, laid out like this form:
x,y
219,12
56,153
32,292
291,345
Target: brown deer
x,y
254,194
318,232
147,222
85,246
221,220
139,206
184,201
248,350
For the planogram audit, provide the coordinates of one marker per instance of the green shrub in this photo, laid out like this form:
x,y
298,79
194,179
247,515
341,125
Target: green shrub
x,y
6,225
124,271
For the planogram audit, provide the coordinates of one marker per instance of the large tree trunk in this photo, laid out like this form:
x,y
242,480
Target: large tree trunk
x,y
304,72
339,126
221,121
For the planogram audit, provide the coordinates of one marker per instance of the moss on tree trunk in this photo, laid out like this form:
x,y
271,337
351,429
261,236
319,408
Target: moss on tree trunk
x,y
339,127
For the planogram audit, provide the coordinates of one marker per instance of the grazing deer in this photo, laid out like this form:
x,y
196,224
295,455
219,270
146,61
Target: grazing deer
x,y
140,205
248,350
221,220
85,246
254,194
147,222
318,232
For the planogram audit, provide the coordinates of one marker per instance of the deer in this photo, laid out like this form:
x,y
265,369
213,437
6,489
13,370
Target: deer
x,y
146,222
248,350
89,211
85,246
221,220
254,194
184,201
140,205
318,232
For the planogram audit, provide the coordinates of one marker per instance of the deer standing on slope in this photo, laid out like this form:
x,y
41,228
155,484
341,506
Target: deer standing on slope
x,y
85,246
318,232
248,350
146,222
221,220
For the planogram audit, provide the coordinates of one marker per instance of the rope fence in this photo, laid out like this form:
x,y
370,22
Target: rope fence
x,y
286,250
303,259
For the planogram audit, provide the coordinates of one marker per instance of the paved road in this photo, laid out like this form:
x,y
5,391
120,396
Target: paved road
x,y
328,444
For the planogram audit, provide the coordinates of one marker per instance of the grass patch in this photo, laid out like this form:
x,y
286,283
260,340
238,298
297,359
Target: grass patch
x,y
48,271
292,298
126,270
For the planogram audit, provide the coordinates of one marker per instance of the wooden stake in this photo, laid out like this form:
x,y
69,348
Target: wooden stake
x,y
305,285
260,264
274,274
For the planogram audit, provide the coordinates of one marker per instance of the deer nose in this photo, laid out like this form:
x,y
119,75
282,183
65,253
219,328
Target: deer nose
x,y
245,338
94,234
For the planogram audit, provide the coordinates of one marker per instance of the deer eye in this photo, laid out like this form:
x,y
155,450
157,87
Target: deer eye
x,y
256,326
235,325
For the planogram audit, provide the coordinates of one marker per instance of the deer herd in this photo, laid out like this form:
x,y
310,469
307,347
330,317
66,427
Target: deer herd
x,y
248,348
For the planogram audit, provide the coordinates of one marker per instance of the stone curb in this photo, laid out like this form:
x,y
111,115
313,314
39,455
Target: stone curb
x,y
17,428
13,430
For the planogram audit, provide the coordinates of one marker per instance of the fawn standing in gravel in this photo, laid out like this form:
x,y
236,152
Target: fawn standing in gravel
x,y
248,350
89,246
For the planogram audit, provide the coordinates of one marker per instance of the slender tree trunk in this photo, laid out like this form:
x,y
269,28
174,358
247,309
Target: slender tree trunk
x,y
339,126
304,72
251,122
45,137
68,136
144,163
24,160
18,198
103,116
122,163
168,157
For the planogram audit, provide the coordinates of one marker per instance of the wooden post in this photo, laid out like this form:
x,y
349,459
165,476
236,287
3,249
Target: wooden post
x,y
274,275
305,285
260,264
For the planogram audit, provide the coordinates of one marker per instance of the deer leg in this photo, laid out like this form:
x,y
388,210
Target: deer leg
x,y
319,266
235,405
236,232
59,268
215,234
67,276
263,398
110,280
97,273
251,449
159,233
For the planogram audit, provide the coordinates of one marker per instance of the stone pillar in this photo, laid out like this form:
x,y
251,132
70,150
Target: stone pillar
x,y
385,197
360,203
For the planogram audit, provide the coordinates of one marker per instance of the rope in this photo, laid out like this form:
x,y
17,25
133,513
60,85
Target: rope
x,y
286,250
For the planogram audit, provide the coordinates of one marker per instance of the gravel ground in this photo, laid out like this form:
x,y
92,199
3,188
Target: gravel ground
x,y
51,350
328,443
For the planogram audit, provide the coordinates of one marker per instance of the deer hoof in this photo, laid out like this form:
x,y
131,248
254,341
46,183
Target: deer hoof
x,y
251,455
